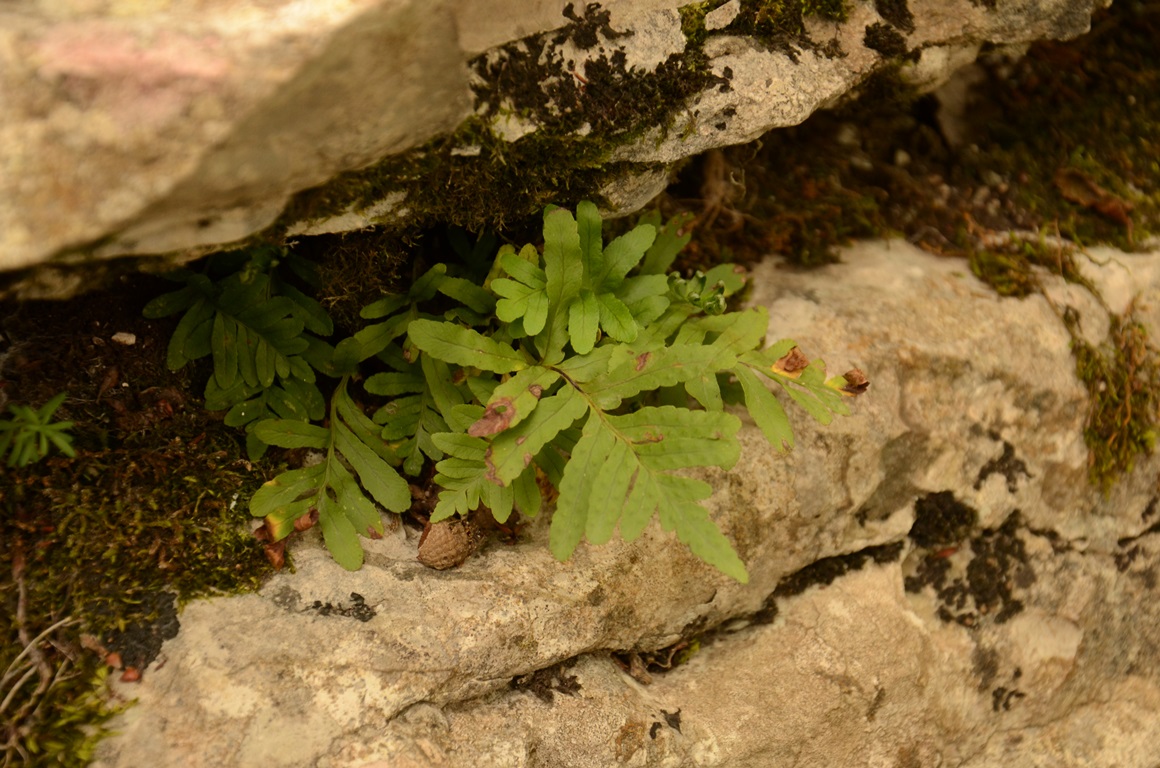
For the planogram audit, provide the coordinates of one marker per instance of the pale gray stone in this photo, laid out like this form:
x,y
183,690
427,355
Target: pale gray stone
x,y
859,672
141,129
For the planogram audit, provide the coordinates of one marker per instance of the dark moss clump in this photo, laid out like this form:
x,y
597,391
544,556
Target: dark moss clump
x,y
99,551
884,39
1122,377
479,180
780,24
897,13
1011,268
940,520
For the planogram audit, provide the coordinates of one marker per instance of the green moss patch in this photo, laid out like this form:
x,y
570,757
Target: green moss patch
x,y
1122,377
100,551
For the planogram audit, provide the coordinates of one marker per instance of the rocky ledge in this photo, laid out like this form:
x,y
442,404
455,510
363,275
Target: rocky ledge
x,y
934,581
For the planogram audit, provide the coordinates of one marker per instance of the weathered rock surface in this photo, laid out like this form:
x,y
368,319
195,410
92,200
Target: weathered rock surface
x,y
137,129
1015,625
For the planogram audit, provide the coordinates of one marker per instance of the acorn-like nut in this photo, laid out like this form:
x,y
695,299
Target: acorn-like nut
x,y
449,543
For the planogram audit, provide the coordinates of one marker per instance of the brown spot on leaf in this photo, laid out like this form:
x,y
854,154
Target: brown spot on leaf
x,y
642,360
792,364
307,521
856,382
496,418
536,390
491,475
276,553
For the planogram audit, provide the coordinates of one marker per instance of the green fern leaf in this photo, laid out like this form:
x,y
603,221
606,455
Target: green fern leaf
x,y
512,450
512,401
464,478
618,471
672,438
588,226
344,511
651,370
670,239
464,347
691,522
766,411
292,434
564,274
584,322
621,255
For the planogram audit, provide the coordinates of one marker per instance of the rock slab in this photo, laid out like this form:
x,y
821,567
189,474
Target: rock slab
x,y
144,128
933,582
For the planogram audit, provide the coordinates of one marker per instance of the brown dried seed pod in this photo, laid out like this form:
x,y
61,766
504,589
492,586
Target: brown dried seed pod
x,y
449,543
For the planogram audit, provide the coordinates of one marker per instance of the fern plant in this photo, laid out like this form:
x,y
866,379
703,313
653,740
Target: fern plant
x,y
29,434
574,367
567,371
262,332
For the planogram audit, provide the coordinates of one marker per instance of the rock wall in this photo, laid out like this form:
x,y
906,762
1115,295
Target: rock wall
x,y
138,129
933,582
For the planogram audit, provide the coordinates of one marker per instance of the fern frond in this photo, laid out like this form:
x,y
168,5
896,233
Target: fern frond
x,y
344,511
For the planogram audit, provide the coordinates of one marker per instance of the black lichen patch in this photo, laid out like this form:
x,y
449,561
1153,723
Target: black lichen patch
x,y
825,571
884,39
1007,465
941,520
547,682
357,609
1003,697
897,13
998,568
989,584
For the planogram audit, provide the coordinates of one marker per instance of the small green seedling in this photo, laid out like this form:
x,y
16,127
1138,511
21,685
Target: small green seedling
x,y
28,435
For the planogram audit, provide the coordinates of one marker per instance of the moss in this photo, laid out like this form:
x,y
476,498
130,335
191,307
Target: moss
x,y
1011,268
896,13
575,116
693,20
1122,377
148,515
780,24
884,39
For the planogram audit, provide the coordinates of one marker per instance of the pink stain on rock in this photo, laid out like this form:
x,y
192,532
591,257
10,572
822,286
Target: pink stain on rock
x,y
146,79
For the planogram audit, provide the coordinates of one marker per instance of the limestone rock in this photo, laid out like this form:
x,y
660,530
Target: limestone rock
x,y
140,129
1016,621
